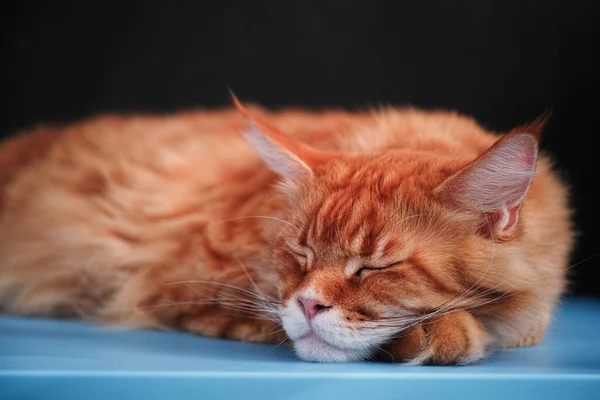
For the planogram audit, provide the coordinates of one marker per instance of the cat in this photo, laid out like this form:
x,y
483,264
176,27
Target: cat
x,y
395,234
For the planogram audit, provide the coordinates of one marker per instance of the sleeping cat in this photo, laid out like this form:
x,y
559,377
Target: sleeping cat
x,y
397,234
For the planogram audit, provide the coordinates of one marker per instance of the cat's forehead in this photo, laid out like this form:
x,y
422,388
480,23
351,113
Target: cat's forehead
x,y
386,172
365,209
346,224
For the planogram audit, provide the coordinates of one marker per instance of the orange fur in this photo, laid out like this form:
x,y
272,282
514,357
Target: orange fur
x,y
175,222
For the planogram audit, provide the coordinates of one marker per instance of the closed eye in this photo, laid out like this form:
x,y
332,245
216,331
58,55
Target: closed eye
x,y
300,257
364,269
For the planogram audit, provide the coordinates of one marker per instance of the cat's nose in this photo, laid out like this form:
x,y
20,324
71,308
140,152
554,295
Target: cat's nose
x,y
311,307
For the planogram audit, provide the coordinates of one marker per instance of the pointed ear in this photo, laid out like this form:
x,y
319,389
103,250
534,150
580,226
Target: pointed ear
x,y
286,156
534,127
496,183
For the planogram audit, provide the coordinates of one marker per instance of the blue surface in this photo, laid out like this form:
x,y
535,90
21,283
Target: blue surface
x,y
74,360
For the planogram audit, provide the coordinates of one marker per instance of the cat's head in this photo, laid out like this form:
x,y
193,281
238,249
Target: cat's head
x,y
375,242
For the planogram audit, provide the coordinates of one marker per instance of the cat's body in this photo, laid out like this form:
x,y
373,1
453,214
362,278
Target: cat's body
x,y
175,222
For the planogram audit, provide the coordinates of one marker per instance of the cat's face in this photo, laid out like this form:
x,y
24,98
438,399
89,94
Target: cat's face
x,y
366,257
375,243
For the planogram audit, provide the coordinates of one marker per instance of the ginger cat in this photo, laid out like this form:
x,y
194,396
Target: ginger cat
x,y
398,234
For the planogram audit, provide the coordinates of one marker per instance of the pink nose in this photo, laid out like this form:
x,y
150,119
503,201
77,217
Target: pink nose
x,y
311,307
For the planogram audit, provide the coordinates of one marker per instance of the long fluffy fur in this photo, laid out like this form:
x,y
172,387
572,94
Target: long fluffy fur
x,y
175,222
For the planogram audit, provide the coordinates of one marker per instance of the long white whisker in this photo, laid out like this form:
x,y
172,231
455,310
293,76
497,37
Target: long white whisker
x,y
233,287
282,341
451,303
252,281
270,315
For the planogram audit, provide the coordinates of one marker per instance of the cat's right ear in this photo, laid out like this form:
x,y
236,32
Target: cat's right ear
x,y
286,156
495,184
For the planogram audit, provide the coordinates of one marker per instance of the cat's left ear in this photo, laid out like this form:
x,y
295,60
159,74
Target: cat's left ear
x,y
288,157
496,183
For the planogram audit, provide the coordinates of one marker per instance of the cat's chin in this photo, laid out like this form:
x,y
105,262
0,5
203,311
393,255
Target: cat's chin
x,y
314,349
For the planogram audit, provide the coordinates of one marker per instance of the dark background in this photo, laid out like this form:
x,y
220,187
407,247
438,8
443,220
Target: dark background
x,y
503,62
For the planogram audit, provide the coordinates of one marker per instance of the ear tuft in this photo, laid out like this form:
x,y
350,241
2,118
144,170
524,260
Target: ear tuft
x,y
535,127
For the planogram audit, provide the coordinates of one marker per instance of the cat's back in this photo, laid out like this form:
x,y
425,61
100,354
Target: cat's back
x,y
211,139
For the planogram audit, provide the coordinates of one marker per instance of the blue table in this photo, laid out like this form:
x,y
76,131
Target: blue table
x,y
74,360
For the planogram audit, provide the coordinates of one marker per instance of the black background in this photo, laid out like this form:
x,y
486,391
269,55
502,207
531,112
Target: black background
x,y
503,62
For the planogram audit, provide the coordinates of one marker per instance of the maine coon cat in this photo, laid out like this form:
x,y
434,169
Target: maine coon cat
x,y
395,234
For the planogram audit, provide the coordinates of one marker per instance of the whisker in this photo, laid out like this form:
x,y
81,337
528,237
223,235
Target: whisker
x,y
509,292
252,313
450,304
257,216
211,302
380,348
241,264
282,341
226,285
274,330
